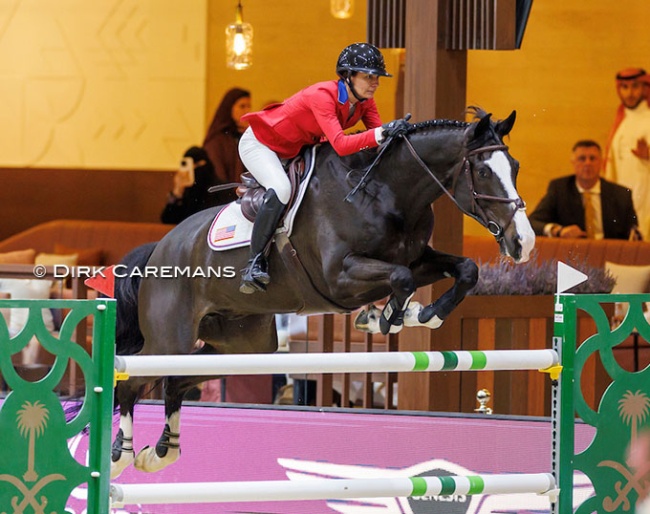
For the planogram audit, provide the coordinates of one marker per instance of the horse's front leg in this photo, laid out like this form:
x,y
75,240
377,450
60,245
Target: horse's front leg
x,y
434,266
365,274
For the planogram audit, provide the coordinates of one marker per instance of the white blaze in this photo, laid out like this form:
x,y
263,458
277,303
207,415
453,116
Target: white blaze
x,y
501,168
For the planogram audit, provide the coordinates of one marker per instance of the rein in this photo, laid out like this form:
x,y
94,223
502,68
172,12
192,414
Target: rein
x,y
478,213
363,182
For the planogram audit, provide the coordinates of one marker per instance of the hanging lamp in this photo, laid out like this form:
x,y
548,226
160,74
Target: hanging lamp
x,y
342,9
239,42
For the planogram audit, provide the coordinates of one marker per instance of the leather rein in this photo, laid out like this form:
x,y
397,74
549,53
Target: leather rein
x,y
477,212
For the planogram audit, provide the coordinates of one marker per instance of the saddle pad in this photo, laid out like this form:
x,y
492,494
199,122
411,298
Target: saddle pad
x,y
230,229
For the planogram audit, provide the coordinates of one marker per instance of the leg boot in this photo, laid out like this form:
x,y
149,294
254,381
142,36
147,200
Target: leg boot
x,y
255,276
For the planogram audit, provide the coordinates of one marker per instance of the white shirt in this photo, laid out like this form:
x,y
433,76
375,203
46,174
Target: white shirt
x,y
626,169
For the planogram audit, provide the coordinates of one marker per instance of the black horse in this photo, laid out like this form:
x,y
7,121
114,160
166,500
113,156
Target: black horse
x,y
340,256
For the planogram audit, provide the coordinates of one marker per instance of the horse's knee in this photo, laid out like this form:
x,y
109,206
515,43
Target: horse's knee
x,y
402,281
467,273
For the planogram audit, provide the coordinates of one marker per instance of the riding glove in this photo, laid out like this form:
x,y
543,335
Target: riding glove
x,y
396,128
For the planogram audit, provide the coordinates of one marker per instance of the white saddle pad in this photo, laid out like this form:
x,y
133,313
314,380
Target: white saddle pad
x,y
230,229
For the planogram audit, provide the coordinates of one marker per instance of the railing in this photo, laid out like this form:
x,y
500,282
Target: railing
x,y
479,323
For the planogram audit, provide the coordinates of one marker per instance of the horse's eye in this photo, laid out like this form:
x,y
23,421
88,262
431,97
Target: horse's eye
x,y
484,172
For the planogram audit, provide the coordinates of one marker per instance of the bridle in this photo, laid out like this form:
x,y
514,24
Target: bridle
x,y
477,212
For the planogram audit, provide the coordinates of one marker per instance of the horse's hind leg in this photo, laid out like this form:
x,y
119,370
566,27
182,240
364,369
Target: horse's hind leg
x,y
168,449
122,454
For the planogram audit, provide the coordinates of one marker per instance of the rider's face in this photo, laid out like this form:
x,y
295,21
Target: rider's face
x,y
365,84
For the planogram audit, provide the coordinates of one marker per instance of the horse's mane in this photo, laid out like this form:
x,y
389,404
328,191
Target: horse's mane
x,y
423,125
476,112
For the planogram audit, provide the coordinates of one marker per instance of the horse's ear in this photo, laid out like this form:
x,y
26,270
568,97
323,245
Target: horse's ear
x,y
504,127
482,126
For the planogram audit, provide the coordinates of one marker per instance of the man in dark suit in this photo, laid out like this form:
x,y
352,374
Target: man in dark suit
x,y
584,204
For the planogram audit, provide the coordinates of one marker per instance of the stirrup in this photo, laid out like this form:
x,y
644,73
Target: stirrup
x,y
250,286
253,276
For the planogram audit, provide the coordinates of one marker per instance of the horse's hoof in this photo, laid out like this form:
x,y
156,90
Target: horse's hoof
x,y
434,322
361,321
125,460
428,318
368,321
148,460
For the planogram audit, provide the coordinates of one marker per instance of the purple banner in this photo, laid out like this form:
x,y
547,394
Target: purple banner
x,y
235,444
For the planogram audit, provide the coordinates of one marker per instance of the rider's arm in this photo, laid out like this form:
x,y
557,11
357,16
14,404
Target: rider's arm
x,y
325,109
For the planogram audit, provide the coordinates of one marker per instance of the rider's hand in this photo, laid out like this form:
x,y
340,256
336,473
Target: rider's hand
x,y
396,128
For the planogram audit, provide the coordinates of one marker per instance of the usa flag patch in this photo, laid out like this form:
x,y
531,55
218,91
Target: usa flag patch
x,y
223,233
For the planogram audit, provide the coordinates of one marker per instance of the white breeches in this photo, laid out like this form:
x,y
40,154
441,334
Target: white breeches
x,y
265,165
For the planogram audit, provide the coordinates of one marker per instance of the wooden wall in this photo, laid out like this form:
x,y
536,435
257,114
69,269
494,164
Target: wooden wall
x,y
32,196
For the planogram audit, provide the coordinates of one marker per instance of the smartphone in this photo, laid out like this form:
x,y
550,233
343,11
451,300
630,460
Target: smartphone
x,y
187,166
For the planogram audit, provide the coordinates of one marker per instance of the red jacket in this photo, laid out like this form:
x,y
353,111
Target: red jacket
x,y
316,112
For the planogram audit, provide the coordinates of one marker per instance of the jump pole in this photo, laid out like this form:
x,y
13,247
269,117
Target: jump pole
x,y
355,362
330,489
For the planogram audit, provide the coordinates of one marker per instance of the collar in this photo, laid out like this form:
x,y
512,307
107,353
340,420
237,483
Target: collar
x,y
640,110
343,92
594,190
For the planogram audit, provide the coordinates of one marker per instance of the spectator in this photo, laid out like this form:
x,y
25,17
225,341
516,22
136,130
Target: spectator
x,y
190,191
627,153
572,202
217,162
222,138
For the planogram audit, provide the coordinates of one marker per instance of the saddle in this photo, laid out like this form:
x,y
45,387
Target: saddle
x,y
251,194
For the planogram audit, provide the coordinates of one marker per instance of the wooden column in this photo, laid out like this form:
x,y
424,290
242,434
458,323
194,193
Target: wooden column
x,y
434,87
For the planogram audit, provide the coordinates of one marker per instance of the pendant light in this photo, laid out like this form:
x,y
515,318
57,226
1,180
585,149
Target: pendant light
x,y
342,9
239,42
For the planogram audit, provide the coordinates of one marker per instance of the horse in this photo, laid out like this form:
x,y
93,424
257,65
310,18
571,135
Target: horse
x,y
360,235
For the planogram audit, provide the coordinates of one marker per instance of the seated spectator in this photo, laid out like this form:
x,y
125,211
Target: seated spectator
x,y
573,206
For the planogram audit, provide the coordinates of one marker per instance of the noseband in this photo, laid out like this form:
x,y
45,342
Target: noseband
x,y
477,212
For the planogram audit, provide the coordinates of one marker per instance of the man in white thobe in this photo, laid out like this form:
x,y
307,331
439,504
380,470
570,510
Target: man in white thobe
x,y
628,153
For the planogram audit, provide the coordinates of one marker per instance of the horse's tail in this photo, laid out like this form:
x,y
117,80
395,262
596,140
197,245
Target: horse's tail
x,y
128,337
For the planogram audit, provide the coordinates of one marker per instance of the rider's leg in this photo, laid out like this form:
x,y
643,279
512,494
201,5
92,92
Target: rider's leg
x,y
265,166
256,271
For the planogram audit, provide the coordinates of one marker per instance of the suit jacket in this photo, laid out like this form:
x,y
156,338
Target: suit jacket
x,y
319,110
562,204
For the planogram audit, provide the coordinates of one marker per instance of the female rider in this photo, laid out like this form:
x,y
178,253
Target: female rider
x,y
322,110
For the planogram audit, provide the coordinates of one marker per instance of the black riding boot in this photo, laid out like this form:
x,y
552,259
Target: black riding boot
x,y
255,276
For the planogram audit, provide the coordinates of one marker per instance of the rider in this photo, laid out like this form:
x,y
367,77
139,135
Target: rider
x,y
322,110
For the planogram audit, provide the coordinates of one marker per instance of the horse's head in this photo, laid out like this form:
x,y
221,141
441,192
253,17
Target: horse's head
x,y
485,187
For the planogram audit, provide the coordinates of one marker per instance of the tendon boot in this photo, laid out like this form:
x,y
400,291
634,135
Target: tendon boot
x,y
255,276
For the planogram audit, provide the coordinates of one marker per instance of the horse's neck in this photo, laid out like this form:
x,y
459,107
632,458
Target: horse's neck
x,y
440,152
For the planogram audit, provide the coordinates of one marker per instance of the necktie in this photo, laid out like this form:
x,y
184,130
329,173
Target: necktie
x,y
590,214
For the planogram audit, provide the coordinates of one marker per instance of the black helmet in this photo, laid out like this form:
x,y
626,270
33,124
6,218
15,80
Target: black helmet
x,y
362,57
